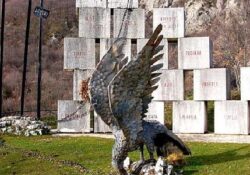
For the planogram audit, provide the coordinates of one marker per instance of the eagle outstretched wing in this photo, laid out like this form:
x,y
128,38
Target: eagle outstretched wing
x,y
131,88
105,71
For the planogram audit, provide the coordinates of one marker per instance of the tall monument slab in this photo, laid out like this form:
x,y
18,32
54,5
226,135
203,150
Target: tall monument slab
x,y
79,76
79,53
245,83
91,3
123,4
231,117
194,53
136,23
141,43
211,84
73,116
105,45
172,20
189,117
94,22
170,86
156,111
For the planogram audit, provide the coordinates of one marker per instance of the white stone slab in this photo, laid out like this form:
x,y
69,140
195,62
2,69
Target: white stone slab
x,y
73,116
189,117
123,4
231,117
245,83
91,3
156,112
195,53
94,22
170,86
142,42
211,84
172,20
105,45
78,77
79,53
99,125
135,23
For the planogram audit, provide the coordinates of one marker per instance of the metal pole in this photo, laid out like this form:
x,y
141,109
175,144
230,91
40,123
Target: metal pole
x,y
25,57
1,56
39,66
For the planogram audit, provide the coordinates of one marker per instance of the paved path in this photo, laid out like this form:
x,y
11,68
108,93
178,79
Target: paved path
x,y
185,137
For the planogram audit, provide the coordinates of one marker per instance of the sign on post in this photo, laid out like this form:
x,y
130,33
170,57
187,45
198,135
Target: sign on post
x,y
41,12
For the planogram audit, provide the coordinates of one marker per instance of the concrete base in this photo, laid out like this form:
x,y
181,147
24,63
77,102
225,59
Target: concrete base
x,y
231,117
73,116
189,117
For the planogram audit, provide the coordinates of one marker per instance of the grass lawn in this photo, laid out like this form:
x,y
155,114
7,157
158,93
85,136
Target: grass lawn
x,y
46,155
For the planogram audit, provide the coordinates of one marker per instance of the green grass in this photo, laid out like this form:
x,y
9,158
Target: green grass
x,y
47,155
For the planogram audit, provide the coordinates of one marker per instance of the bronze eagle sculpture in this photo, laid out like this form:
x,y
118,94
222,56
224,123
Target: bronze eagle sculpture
x,y
120,92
